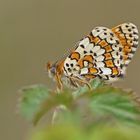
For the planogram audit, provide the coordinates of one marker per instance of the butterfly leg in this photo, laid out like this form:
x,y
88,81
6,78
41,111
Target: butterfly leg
x,y
73,82
76,79
59,82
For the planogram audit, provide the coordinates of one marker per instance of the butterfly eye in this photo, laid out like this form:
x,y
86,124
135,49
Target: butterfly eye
x,y
53,69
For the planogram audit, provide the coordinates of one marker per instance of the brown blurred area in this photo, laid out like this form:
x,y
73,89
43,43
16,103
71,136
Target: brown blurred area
x,y
35,31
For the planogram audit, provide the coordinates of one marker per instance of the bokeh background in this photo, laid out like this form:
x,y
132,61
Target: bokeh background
x,y
35,31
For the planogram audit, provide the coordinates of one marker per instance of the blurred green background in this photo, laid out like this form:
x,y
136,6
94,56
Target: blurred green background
x,y
35,31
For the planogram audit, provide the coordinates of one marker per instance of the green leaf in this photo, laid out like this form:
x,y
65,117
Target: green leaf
x,y
101,102
116,103
31,100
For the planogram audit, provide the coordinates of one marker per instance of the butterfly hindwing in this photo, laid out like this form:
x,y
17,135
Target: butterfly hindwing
x,y
107,58
103,53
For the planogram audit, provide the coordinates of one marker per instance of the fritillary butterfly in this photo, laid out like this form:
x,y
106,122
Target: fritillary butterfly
x,y
104,53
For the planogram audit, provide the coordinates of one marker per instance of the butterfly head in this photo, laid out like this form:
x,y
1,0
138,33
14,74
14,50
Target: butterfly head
x,y
55,69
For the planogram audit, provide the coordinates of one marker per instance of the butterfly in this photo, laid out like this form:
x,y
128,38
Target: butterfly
x,y
104,53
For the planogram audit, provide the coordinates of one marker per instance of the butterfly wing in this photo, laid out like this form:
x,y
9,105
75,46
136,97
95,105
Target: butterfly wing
x,y
128,36
101,53
107,55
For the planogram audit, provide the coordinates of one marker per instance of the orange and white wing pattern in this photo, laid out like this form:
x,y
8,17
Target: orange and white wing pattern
x,y
103,53
128,36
